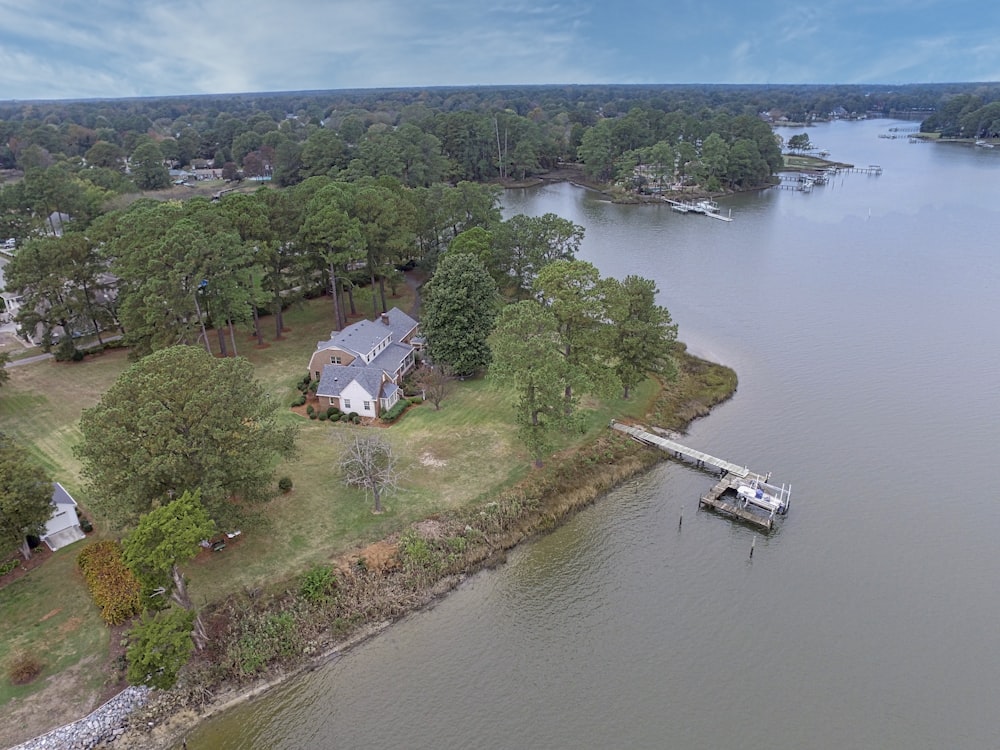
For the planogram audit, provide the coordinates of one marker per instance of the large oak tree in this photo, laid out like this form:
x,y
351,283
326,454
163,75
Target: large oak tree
x,y
181,419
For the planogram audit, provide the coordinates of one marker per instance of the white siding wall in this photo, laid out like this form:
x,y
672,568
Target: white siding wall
x,y
357,396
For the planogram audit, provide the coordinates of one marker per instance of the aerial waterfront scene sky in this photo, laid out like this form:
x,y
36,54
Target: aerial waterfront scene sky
x,y
119,48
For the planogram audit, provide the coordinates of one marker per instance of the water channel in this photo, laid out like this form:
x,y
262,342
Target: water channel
x,y
863,321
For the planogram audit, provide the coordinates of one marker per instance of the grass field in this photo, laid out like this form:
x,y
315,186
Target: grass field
x,y
448,458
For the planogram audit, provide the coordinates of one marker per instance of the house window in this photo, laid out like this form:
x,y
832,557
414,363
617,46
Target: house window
x,y
347,403
334,359
368,405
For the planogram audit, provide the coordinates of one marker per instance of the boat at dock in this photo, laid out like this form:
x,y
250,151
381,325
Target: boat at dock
x,y
773,500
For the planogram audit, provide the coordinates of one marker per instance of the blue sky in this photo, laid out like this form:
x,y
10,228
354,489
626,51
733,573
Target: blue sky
x,y
60,49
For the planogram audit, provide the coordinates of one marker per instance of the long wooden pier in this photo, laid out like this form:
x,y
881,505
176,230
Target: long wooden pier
x,y
732,476
672,446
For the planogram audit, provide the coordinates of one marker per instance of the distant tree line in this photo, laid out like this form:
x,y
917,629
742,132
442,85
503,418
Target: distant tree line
x,y
965,116
76,156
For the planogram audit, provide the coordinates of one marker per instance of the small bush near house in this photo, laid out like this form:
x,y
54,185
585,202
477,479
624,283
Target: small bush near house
x,y
323,416
300,400
333,410
336,417
7,567
353,416
23,668
393,414
285,484
310,410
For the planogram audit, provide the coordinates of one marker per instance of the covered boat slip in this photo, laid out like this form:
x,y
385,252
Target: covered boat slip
x,y
759,501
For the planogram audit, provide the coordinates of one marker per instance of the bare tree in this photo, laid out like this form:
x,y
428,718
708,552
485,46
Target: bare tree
x,y
437,382
368,462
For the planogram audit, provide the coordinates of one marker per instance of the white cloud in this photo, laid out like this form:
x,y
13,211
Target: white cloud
x,y
122,48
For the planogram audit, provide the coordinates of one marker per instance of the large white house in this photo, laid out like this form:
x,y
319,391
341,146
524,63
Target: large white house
x,y
361,367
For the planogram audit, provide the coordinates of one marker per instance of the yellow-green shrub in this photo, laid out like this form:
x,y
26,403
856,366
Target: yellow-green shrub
x,y
115,589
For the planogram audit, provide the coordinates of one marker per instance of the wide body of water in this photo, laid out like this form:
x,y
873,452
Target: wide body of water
x,y
863,322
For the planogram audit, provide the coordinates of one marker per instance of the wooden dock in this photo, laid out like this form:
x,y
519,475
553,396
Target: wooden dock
x,y
698,208
717,500
732,476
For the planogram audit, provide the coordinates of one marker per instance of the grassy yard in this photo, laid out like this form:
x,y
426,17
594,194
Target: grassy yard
x,y
802,161
49,615
448,457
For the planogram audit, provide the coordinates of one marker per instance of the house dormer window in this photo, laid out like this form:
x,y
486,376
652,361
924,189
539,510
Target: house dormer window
x,y
334,359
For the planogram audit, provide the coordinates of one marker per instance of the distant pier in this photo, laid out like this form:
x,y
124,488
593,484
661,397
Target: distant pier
x,y
705,208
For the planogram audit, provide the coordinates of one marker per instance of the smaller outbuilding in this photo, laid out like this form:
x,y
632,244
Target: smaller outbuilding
x,y
63,526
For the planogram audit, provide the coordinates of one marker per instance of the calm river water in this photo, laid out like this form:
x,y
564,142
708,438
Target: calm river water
x,y
863,321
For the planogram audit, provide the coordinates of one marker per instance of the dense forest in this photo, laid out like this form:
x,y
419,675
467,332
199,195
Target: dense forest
x,y
358,183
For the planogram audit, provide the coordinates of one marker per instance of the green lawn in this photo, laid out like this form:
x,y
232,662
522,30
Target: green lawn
x,y
448,458
50,615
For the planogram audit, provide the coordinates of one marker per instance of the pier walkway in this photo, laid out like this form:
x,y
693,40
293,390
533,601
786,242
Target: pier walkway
x,y
672,446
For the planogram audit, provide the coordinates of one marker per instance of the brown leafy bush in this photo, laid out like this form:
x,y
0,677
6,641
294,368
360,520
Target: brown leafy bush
x,y
23,668
114,587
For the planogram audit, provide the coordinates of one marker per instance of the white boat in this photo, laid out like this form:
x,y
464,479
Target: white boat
x,y
680,208
774,502
984,144
708,207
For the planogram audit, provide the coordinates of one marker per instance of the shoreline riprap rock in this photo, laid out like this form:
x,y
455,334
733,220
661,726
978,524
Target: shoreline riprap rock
x,y
102,725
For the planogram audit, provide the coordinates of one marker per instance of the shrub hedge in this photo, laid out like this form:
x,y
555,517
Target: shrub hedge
x,y
393,414
115,589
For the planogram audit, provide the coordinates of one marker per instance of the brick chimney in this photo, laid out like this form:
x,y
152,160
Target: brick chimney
x,y
385,318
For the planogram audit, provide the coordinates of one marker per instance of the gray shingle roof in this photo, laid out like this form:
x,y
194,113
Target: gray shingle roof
x,y
361,337
336,378
390,358
60,496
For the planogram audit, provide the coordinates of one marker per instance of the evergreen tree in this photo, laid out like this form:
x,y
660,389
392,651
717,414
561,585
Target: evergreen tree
x,y
459,309
25,497
642,334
